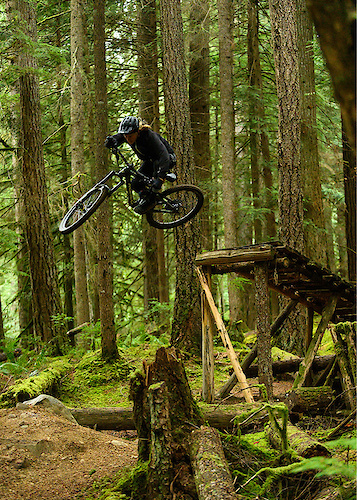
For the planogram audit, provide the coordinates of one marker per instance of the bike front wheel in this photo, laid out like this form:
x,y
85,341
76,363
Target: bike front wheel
x,y
83,209
175,206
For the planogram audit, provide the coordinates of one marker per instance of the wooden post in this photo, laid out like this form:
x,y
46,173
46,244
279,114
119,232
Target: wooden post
x,y
305,366
265,370
207,347
225,339
309,328
250,357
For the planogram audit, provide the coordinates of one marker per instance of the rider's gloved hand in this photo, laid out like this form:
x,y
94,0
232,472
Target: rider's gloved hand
x,y
110,142
157,184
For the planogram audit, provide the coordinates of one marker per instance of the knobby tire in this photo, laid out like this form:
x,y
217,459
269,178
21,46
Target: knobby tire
x,y
188,207
83,209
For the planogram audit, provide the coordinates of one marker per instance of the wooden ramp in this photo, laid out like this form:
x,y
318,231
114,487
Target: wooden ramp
x,y
286,271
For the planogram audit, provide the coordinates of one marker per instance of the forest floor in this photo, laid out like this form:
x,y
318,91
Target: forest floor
x,y
45,457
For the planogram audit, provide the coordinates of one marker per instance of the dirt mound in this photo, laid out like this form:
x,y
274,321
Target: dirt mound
x,y
44,456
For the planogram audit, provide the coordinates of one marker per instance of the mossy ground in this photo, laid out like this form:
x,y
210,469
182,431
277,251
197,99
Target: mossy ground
x,y
90,382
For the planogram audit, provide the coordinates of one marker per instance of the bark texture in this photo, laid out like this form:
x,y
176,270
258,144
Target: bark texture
x,y
44,280
186,326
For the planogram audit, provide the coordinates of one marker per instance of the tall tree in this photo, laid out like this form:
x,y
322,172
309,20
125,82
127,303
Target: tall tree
x,y
284,36
105,214
44,280
78,116
349,181
314,220
226,43
149,111
335,23
186,325
199,94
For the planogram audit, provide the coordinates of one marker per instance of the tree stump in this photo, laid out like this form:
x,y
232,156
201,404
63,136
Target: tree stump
x,y
180,409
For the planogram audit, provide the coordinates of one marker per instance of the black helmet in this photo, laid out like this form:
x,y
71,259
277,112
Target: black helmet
x,y
128,125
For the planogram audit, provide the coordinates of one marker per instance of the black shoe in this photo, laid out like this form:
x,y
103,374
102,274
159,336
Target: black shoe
x,y
144,204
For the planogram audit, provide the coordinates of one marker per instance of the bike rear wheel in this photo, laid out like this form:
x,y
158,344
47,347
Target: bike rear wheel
x,y
175,206
83,209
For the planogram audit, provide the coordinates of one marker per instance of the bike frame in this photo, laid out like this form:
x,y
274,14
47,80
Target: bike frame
x,y
124,174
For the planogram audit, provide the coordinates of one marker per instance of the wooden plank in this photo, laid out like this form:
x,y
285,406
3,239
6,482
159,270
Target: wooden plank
x,y
207,348
233,255
225,339
305,366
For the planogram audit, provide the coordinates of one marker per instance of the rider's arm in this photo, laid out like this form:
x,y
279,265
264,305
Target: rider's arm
x,y
115,140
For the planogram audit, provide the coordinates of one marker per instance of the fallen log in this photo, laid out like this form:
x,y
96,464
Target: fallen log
x,y
115,419
160,470
120,419
210,468
304,445
311,400
292,365
43,383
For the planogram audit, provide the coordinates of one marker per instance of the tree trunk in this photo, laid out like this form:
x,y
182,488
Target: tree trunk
x,y
186,325
335,24
284,35
149,111
349,180
105,213
200,107
78,98
44,279
265,371
315,239
226,42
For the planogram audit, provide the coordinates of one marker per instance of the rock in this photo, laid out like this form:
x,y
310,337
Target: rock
x,y
49,403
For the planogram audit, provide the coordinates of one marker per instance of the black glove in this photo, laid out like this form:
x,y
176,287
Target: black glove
x,y
156,185
110,142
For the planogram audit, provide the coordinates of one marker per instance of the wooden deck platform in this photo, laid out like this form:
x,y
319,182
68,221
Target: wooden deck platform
x,y
289,273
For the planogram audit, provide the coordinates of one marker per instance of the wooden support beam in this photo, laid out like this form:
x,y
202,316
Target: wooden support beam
x,y
265,370
207,346
326,316
225,338
250,357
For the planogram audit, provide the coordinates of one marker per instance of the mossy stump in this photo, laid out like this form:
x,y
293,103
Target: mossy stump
x,y
182,416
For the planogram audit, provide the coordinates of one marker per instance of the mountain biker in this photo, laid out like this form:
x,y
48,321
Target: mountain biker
x,y
156,154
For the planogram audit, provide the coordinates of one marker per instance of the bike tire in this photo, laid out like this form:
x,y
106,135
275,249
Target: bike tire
x,y
83,209
176,206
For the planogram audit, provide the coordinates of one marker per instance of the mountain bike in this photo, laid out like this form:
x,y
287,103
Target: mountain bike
x,y
173,207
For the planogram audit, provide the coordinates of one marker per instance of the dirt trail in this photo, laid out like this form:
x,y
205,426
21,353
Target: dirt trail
x,y
45,457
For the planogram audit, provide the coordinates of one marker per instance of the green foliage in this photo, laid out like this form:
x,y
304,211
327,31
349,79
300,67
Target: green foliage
x,y
331,466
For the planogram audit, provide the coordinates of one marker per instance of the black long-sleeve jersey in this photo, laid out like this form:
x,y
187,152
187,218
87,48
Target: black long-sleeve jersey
x,y
150,146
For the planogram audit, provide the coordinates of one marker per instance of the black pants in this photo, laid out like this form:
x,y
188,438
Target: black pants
x,y
149,169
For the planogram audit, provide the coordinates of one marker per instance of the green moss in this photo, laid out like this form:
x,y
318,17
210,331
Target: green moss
x,y
95,382
44,382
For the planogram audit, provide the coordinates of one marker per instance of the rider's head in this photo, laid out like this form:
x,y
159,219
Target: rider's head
x,y
129,127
